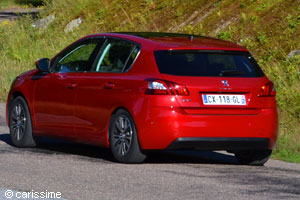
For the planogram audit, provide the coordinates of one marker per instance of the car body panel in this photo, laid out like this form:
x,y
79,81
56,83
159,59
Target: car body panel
x,y
53,104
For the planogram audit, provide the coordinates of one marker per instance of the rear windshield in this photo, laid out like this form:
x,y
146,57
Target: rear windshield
x,y
207,63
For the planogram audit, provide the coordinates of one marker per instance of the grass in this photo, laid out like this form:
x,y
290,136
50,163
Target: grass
x,y
10,4
4,4
269,29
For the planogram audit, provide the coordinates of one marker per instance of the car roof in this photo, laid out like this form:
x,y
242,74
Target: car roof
x,y
167,41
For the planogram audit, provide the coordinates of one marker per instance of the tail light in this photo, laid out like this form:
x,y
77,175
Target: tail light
x,y
267,90
160,87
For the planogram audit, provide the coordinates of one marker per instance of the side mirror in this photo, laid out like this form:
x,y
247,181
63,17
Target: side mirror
x,y
43,64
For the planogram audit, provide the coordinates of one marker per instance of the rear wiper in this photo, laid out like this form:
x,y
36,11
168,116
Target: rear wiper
x,y
231,72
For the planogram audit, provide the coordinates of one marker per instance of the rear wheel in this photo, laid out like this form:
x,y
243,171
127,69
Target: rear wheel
x,y
123,138
20,124
253,157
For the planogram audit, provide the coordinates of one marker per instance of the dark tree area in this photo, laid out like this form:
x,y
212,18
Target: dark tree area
x,y
32,2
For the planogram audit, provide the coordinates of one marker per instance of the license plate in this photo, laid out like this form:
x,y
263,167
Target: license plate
x,y
220,99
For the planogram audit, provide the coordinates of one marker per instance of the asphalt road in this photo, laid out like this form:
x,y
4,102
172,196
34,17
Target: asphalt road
x,y
87,172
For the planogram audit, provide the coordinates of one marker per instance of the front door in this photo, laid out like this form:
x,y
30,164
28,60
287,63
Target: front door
x,y
55,92
54,100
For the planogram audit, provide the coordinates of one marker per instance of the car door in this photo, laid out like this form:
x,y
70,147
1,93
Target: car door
x,y
98,89
55,92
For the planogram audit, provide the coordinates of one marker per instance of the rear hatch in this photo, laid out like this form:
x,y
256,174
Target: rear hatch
x,y
218,82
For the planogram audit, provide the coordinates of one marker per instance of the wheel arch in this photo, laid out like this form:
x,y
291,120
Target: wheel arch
x,y
26,140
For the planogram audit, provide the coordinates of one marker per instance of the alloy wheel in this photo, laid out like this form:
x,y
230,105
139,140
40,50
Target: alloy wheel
x,y
122,134
18,121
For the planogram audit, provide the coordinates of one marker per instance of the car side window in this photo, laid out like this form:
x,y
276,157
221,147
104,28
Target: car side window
x,y
78,58
116,56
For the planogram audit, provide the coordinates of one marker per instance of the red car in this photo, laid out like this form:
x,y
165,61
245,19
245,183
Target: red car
x,y
135,92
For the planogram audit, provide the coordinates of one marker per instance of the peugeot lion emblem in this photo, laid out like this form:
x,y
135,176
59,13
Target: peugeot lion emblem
x,y
225,83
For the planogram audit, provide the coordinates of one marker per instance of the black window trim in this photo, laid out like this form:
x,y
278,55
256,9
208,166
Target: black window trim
x,y
99,48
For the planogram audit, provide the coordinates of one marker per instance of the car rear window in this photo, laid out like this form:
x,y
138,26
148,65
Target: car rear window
x,y
207,63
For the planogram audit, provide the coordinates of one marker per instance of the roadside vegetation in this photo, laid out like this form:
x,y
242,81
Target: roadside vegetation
x,y
5,4
270,29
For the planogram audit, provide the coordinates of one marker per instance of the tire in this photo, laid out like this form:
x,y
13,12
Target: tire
x,y
123,139
20,126
253,157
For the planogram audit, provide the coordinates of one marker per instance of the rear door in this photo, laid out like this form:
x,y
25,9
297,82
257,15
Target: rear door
x,y
99,89
219,82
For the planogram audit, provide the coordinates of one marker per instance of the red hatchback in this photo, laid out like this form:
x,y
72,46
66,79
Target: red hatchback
x,y
134,92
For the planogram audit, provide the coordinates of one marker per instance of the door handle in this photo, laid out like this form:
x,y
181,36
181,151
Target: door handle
x,y
71,85
109,85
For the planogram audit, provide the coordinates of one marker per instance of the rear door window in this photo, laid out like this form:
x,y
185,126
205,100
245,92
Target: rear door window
x,y
207,63
116,56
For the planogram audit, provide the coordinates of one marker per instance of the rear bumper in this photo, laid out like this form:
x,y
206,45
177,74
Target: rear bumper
x,y
220,143
163,127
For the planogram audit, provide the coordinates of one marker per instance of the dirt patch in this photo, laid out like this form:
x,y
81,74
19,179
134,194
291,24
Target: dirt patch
x,y
196,17
224,25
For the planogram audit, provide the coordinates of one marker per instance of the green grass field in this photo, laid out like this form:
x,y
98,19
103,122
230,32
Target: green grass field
x,y
270,29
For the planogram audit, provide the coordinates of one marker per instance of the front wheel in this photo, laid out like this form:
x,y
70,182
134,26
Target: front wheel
x,y
20,127
253,157
123,139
